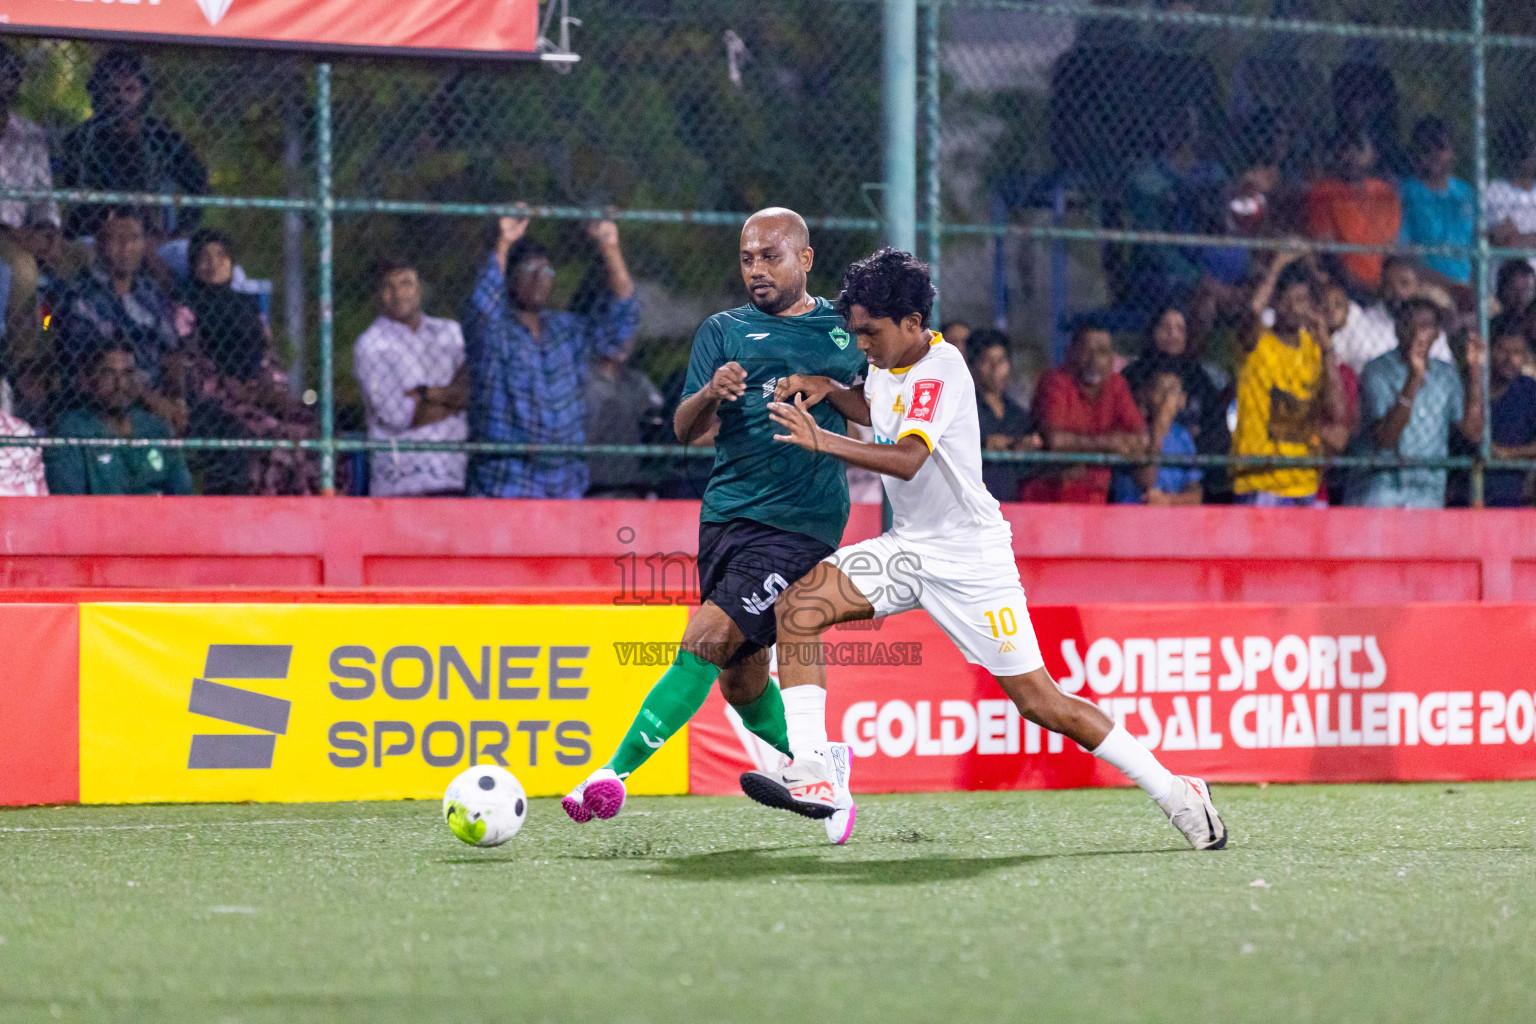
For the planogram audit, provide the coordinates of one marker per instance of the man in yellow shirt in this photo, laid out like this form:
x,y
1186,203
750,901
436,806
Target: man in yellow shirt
x,y
1288,387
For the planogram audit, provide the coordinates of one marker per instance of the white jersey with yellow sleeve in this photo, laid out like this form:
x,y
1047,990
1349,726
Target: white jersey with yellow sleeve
x,y
949,550
945,506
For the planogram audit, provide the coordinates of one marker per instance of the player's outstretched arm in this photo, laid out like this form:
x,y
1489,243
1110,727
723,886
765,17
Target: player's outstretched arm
x,y
848,401
901,460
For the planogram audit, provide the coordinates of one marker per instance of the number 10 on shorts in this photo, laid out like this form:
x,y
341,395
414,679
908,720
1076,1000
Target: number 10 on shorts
x,y
1003,618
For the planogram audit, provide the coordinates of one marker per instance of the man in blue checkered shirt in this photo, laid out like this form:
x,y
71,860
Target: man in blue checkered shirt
x,y
527,364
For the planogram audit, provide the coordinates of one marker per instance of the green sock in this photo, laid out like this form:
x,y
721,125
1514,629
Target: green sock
x,y
676,697
765,717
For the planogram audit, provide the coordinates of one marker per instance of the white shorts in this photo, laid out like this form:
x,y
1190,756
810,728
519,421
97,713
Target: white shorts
x,y
980,606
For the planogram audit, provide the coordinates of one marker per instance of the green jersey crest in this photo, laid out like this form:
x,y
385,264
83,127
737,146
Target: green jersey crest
x,y
840,337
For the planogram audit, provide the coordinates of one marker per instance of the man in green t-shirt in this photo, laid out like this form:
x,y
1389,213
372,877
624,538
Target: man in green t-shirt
x,y
113,386
770,511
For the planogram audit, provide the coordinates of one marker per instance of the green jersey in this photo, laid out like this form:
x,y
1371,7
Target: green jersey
x,y
755,477
115,470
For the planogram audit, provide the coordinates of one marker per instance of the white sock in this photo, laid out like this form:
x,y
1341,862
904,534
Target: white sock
x,y
1134,760
805,713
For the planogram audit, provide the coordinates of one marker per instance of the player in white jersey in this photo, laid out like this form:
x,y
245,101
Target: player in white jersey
x,y
949,550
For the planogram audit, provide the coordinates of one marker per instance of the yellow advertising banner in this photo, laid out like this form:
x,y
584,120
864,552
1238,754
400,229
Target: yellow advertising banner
x,y
358,702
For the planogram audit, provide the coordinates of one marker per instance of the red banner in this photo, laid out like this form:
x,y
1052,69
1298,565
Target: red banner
x,y
434,27
1232,693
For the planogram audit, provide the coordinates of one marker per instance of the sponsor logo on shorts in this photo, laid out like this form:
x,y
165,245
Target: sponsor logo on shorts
x,y
773,586
925,398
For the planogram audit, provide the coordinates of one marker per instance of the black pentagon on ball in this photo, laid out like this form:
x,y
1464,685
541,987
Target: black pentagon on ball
x,y
487,782
517,808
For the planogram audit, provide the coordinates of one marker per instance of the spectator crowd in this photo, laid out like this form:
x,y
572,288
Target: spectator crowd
x,y
141,324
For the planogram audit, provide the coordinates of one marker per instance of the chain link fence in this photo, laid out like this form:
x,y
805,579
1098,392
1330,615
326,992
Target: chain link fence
x,y
245,229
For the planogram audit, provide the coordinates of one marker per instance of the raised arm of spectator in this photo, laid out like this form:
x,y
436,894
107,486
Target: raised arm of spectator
x,y
1263,293
1163,416
1471,424
488,301
1330,395
613,324
1389,408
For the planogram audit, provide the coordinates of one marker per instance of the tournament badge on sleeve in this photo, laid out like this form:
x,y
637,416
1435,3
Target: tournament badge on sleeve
x,y
925,398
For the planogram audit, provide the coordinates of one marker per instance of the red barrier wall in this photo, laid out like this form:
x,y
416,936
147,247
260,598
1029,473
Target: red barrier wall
x,y
1067,553
40,704
1229,693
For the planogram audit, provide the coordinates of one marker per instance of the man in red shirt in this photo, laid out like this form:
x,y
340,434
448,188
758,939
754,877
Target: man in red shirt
x,y
1085,406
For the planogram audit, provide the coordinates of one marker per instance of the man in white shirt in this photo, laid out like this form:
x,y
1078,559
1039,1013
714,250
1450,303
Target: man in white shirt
x,y
1370,332
949,550
416,388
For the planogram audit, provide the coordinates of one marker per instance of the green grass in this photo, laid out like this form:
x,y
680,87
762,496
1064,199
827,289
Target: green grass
x,y
1381,903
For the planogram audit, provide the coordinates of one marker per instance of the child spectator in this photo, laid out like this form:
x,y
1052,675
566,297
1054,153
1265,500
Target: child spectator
x,y
1161,400
1167,349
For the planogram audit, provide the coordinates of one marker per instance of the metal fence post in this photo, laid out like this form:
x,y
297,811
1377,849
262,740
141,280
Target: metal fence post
x,y
900,104
933,214
326,211
1481,255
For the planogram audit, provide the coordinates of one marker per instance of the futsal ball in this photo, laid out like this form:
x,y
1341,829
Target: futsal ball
x,y
485,806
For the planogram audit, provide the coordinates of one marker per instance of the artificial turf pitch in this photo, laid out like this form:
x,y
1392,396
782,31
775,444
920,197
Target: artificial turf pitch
x,y
1377,903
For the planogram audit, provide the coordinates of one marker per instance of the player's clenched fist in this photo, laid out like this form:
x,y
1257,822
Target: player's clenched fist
x,y
729,382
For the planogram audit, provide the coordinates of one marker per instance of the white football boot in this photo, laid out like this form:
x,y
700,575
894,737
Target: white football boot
x,y
840,825
805,787
1190,809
